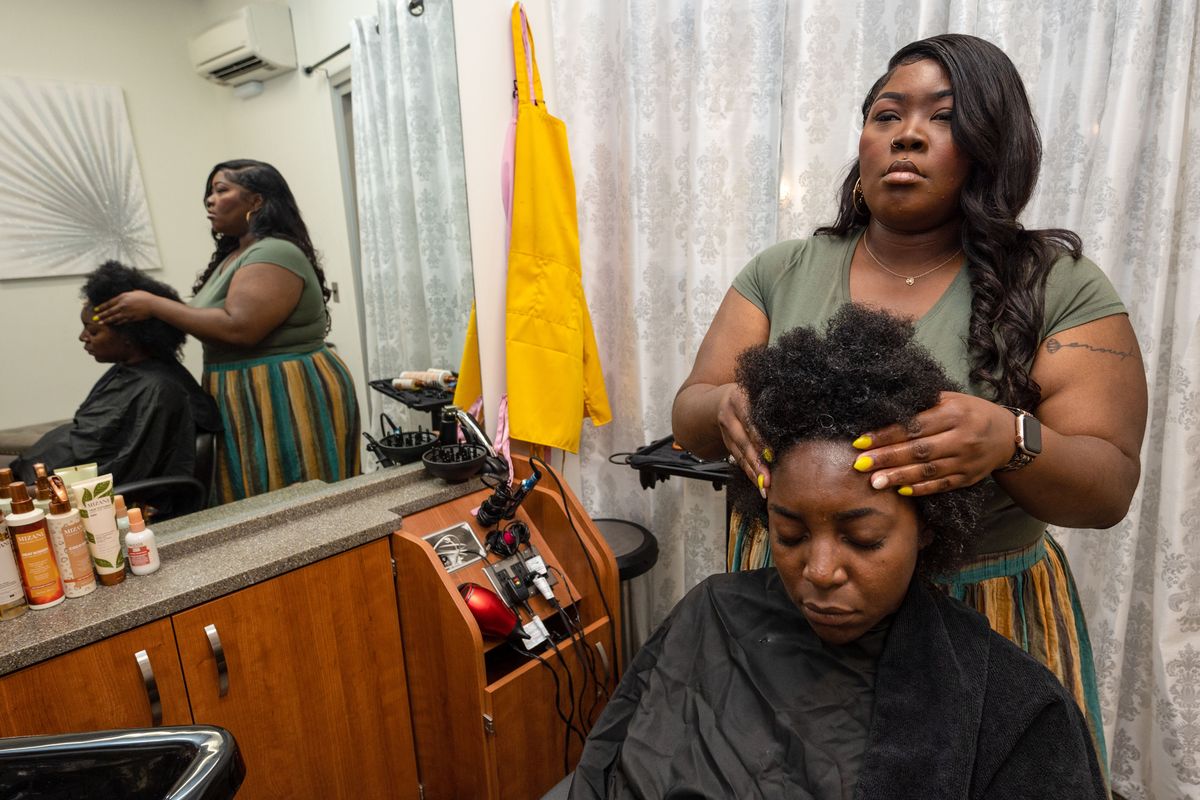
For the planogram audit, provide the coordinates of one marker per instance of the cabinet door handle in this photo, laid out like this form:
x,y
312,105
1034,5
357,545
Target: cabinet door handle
x,y
143,662
214,641
604,657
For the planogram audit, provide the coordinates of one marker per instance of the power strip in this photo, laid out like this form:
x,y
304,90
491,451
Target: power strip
x,y
509,576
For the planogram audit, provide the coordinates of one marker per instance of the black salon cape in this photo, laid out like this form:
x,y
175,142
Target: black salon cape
x,y
138,421
959,711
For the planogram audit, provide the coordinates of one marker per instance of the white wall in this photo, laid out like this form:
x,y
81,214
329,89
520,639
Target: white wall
x,y
178,134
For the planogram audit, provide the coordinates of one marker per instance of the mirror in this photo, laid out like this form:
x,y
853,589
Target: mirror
x,y
303,124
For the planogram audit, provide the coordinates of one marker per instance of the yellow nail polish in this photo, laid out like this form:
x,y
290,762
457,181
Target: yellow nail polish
x,y
761,482
95,318
864,463
95,308
905,490
861,443
768,455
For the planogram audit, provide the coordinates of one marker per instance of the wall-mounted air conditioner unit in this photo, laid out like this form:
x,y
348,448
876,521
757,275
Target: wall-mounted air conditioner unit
x,y
254,45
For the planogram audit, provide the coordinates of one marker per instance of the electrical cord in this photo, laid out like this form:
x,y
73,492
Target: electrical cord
x,y
591,564
568,724
577,625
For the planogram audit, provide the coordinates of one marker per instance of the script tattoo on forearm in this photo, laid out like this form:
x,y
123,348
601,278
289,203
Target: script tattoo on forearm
x,y
1054,345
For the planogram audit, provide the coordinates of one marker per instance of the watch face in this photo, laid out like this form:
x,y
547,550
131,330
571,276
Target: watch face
x,y
1031,434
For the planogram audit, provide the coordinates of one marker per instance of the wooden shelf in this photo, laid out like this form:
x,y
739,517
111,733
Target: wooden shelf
x,y
483,720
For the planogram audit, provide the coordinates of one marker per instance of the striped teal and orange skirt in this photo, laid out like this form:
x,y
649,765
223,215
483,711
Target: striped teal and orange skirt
x,y
288,418
1028,596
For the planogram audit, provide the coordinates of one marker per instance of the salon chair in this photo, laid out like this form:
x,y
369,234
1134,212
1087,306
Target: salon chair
x,y
186,493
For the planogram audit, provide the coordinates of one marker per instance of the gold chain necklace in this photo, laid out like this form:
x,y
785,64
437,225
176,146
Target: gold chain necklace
x,y
909,279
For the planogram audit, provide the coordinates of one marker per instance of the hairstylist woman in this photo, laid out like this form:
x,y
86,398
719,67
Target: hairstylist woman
x,y
927,229
287,402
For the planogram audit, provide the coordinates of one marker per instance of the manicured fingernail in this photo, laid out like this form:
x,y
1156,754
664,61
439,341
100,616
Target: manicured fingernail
x,y
861,443
761,481
768,455
95,308
864,463
905,490
879,481
95,318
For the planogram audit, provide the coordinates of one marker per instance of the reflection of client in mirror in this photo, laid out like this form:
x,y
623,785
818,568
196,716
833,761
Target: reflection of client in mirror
x,y
141,418
260,310
839,672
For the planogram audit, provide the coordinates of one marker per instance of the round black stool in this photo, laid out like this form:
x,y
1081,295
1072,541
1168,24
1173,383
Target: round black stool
x,y
636,551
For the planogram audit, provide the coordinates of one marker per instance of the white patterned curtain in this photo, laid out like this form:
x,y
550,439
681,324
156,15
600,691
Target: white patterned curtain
x,y
672,109
412,198
666,106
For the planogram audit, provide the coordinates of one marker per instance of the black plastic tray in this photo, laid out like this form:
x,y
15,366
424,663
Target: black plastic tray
x,y
418,399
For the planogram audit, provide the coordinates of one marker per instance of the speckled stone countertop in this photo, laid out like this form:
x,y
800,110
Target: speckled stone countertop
x,y
221,550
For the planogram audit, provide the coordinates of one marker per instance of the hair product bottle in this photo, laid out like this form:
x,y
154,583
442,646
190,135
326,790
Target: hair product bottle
x,y
6,478
12,596
94,499
35,558
122,518
42,501
69,540
143,550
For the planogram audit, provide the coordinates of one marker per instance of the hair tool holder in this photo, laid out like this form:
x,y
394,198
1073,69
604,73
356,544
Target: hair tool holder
x,y
482,686
455,462
396,446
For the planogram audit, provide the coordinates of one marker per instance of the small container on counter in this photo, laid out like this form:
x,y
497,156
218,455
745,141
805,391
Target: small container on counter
x,y
42,499
141,547
12,596
35,557
6,479
69,540
122,518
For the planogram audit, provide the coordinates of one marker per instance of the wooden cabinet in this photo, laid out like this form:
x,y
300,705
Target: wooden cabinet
x,y
483,716
98,686
315,680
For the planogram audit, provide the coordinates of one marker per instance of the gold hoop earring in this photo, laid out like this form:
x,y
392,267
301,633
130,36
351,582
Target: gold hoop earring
x,y
856,194
248,215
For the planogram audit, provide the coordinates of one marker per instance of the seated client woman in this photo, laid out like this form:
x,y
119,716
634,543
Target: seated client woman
x,y
141,418
839,672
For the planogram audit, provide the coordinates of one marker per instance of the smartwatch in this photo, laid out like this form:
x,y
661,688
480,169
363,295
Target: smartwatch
x,y
1028,440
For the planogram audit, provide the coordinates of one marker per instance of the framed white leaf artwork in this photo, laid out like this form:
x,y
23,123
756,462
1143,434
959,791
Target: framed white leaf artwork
x,y
71,193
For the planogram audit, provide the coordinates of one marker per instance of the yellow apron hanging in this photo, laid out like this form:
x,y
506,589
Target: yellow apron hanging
x,y
553,367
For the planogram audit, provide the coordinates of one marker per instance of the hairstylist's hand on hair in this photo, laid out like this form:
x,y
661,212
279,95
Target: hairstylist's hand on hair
x,y
132,306
741,440
957,443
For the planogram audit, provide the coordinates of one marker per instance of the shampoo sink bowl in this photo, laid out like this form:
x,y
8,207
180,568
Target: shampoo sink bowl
x,y
194,762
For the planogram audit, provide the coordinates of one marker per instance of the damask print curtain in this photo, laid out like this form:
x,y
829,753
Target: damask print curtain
x,y
411,185
703,131
673,115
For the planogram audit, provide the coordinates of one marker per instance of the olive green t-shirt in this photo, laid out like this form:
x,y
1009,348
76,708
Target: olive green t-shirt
x,y
304,329
803,282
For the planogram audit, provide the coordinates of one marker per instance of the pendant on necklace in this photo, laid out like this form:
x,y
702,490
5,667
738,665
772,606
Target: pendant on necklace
x,y
910,280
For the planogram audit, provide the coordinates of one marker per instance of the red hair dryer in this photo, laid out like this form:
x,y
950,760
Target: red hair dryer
x,y
496,620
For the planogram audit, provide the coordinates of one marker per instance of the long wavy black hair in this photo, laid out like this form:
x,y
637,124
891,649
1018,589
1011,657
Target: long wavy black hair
x,y
1008,265
279,217
156,338
863,372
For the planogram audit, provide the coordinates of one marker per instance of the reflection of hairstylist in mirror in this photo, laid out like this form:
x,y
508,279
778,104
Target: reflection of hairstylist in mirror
x,y
839,672
927,228
287,401
141,418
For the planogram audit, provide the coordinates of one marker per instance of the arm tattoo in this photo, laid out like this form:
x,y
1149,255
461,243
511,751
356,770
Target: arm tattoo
x,y
1054,345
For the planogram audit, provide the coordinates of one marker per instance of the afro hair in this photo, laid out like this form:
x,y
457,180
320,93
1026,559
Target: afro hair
x,y
158,339
864,373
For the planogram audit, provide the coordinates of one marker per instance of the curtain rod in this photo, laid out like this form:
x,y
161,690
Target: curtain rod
x,y
415,7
